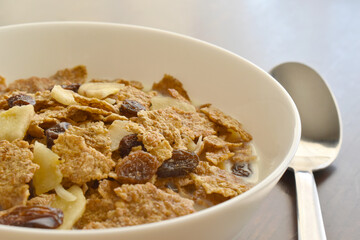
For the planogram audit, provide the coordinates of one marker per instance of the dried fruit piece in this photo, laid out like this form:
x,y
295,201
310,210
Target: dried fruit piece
x,y
32,216
20,100
53,132
48,176
137,167
62,96
73,210
117,131
73,87
130,108
160,102
15,122
99,89
241,169
127,143
180,164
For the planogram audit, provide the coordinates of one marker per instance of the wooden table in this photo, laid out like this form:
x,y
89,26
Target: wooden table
x,y
324,34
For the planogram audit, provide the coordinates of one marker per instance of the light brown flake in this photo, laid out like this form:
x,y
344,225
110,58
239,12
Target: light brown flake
x,y
216,180
81,163
244,154
217,116
176,124
217,150
96,211
95,135
42,200
219,155
99,204
167,82
31,85
79,113
175,94
16,170
94,103
2,84
44,100
113,117
156,144
76,74
213,141
144,203
106,189
132,93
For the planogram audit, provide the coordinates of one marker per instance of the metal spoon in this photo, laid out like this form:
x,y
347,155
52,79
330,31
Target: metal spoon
x,y
320,140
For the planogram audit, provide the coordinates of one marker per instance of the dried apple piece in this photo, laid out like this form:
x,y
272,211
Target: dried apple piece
x,y
62,95
160,102
72,210
15,122
99,90
48,176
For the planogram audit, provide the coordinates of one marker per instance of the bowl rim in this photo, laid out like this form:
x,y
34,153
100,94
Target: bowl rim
x,y
279,170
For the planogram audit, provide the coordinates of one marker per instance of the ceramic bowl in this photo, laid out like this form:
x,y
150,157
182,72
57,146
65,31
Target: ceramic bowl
x,y
209,73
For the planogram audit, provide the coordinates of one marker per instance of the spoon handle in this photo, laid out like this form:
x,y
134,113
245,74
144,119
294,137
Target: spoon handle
x,y
310,222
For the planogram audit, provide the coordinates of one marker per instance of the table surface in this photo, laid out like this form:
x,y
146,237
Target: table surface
x,y
324,34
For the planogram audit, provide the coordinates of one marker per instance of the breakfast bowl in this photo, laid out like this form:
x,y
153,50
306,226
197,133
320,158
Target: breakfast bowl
x,y
209,74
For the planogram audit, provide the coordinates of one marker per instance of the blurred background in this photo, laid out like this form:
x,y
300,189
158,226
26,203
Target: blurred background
x,y
324,34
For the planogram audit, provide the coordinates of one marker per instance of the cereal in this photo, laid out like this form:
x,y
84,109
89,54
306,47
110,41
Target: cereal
x,y
82,163
16,170
217,116
132,93
169,82
108,153
77,74
95,135
94,103
144,203
41,200
216,180
175,124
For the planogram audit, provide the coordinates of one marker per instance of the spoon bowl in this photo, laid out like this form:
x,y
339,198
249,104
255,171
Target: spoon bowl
x,y
320,142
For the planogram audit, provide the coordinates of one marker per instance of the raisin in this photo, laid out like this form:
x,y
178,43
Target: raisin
x,y
137,167
20,100
130,108
73,87
180,164
127,143
241,169
33,217
53,132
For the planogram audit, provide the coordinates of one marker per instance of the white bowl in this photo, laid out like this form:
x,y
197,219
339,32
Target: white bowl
x,y
209,73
